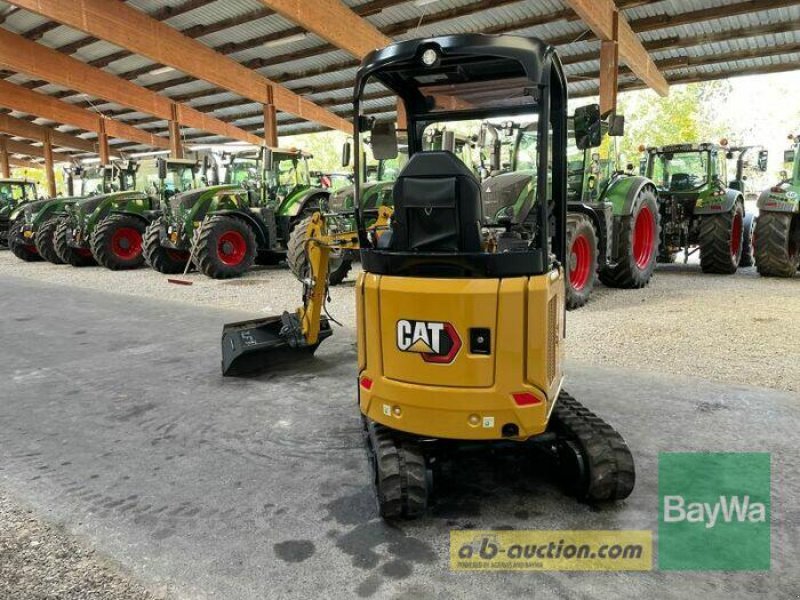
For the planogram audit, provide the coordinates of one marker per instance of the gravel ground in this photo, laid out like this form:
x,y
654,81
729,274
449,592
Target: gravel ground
x,y
740,329
39,561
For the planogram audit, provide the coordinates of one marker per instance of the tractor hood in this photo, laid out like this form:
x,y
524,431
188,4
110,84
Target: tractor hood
x,y
91,203
187,200
502,195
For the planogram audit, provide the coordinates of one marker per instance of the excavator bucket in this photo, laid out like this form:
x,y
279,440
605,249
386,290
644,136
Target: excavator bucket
x,y
262,345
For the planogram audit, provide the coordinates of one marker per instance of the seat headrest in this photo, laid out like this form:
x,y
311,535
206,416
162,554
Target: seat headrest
x,y
439,163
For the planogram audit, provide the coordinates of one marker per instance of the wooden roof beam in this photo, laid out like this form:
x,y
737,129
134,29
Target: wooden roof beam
x,y
19,54
30,131
604,19
136,31
18,98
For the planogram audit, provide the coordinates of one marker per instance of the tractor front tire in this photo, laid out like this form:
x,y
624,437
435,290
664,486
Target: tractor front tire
x,y
77,257
19,246
339,263
226,248
45,244
638,238
117,242
582,257
749,226
164,260
721,241
777,244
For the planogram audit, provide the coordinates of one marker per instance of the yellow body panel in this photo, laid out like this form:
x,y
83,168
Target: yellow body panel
x,y
469,398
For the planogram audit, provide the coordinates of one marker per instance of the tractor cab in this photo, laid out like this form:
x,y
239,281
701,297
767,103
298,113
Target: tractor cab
x,y
14,192
162,178
741,156
688,171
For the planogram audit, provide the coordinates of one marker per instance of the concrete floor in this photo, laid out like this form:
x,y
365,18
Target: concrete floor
x,y
116,423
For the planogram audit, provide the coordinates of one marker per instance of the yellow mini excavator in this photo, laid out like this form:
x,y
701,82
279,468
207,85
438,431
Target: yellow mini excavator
x,y
460,306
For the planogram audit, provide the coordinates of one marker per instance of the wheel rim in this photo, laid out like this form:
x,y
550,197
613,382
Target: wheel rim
x,y
581,262
736,236
126,243
643,237
231,248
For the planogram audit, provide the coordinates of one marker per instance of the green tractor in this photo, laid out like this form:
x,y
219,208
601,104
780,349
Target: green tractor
x,y
33,225
107,228
14,194
612,219
699,211
777,234
224,229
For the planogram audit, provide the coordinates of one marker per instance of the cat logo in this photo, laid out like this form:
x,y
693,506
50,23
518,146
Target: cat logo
x,y
435,342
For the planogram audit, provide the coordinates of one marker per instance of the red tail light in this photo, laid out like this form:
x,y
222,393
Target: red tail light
x,y
525,399
366,383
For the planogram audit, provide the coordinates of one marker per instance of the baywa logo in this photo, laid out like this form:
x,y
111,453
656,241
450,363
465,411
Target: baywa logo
x,y
714,511
436,342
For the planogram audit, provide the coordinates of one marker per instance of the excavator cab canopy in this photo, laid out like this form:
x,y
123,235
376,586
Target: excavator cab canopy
x,y
459,81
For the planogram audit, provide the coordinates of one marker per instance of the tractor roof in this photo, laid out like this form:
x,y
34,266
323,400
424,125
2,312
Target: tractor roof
x,y
17,181
685,148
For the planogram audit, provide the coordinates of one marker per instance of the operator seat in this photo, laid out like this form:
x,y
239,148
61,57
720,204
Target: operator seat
x,y
437,206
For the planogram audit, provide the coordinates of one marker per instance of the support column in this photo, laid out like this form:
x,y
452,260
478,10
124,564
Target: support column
x,y
270,121
402,119
5,171
609,70
102,143
175,146
48,166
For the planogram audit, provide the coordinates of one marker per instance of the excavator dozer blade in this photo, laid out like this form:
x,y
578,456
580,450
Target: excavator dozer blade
x,y
261,345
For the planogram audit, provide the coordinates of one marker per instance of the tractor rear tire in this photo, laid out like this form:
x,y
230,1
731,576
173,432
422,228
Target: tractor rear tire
x,y
721,241
596,463
399,471
227,247
749,226
582,257
164,260
777,244
339,263
45,244
639,233
77,257
21,247
117,242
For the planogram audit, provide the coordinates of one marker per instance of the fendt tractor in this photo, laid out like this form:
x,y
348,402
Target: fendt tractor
x,y
14,194
699,209
612,221
777,235
460,314
224,229
107,228
33,225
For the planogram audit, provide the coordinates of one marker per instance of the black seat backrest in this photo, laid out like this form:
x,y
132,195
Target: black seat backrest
x,y
437,206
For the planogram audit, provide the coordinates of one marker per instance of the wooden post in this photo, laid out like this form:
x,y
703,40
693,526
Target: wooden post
x,y
4,169
48,166
102,143
270,121
175,146
402,119
609,69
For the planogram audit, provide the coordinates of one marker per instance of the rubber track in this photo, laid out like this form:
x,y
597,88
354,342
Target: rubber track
x,y
400,474
155,255
612,474
715,244
772,243
44,242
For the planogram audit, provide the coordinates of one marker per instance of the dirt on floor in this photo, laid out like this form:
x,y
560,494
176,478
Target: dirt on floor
x,y
39,561
742,328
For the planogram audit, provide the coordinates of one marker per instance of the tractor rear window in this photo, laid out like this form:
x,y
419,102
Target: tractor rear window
x,y
680,171
12,192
